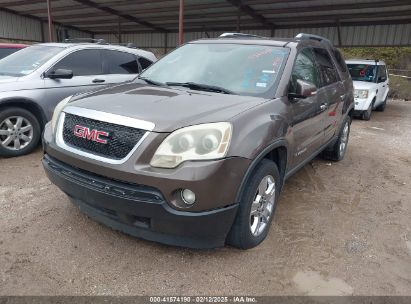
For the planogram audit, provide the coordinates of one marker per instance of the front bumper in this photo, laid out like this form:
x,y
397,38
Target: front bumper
x,y
140,211
362,104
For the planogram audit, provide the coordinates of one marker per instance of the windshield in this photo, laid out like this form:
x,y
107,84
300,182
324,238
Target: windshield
x,y
242,69
363,72
27,60
4,52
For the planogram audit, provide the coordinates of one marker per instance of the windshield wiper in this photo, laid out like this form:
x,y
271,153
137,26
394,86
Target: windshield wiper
x,y
201,87
153,82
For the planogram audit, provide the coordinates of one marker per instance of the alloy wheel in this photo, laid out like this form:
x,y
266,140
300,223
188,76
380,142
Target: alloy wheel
x,y
263,205
344,138
16,132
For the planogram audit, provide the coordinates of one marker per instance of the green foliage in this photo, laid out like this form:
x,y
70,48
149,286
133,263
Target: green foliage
x,y
394,57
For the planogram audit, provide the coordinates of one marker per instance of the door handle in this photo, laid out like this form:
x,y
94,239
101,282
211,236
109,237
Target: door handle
x,y
98,80
323,107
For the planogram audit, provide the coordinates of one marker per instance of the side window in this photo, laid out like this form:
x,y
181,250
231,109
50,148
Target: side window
x,y
340,61
82,63
382,73
145,63
328,72
116,62
304,69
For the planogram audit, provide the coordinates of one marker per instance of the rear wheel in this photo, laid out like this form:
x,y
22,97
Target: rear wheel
x,y
19,132
338,150
257,207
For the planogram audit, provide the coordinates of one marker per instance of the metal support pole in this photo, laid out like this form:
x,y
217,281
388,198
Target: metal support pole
x,y
165,43
339,33
238,20
49,20
181,24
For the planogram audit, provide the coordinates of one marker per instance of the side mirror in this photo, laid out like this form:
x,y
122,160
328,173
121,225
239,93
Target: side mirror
x,y
381,79
60,74
304,89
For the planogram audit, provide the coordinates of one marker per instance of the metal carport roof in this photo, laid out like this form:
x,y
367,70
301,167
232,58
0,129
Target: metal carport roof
x,y
104,16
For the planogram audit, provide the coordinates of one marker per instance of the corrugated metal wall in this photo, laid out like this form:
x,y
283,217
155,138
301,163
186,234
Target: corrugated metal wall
x,y
19,28
16,27
372,35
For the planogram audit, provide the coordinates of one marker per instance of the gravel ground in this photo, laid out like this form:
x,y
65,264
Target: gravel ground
x,y
340,228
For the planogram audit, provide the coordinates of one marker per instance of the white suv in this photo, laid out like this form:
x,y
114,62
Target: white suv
x,y
370,79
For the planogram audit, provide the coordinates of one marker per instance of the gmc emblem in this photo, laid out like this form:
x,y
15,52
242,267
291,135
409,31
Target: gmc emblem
x,y
93,135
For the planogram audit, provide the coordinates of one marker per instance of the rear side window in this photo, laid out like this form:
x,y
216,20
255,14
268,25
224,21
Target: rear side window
x,y
145,63
304,69
116,62
340,61
327,69
82,63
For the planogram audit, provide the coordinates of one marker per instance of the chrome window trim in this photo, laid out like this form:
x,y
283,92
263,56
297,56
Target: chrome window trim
x,y
110,118
106,117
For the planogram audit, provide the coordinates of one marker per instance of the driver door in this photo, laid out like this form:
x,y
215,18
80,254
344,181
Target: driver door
x,y
87,75
382,81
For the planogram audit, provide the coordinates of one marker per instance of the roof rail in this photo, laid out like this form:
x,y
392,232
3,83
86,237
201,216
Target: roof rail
x,y
302,36
239,35
128,45
85,40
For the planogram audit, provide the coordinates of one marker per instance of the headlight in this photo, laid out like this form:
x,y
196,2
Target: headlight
x,y
200,142
363,94
57,111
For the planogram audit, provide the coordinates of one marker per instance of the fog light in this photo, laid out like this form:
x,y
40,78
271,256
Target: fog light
x,y
188,196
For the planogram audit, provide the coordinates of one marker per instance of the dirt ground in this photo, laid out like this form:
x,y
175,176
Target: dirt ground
x,y
340,228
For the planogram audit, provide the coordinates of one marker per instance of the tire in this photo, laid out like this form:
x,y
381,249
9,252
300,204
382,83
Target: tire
x,y
381,107
366,115
249,230
20,132
337,151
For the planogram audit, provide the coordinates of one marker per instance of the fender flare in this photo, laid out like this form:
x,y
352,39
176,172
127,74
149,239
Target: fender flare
x,y
18,101
276,144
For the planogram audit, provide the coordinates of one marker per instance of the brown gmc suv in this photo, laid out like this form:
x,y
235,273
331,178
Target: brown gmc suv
x,y
195,151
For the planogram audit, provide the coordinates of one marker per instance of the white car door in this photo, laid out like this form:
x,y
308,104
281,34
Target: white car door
x,y
87,75
382,80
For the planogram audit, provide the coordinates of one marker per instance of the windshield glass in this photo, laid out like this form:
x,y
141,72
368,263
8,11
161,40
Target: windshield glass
x,y
242,69
4,52
27,60
363,72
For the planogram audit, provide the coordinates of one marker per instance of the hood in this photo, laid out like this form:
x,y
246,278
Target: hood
x,y
12,84
168,108
364,85
7,79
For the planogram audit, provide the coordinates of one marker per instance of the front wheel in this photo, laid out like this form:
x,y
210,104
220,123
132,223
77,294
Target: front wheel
x,y
366,115
19,132
338,150
257,207
381,107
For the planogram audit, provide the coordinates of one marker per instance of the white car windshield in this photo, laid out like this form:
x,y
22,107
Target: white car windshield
x,y
230,68
27,60
363,72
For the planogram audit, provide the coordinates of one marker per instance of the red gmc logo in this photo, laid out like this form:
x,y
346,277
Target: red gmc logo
x,y
93,135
